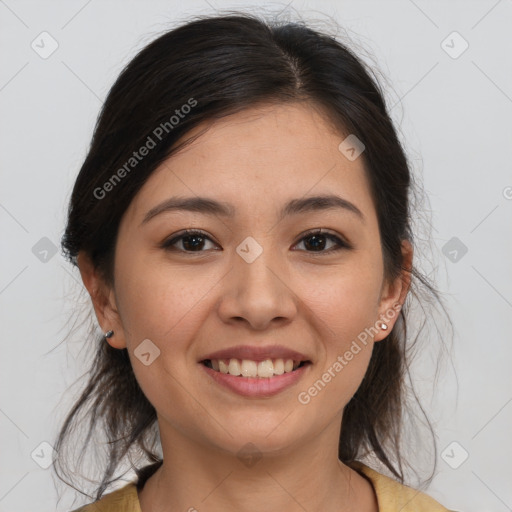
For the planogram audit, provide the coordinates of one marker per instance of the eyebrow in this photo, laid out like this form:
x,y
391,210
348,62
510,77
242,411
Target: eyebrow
x,y
209,206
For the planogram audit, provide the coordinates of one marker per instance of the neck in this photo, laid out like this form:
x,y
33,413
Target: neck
x,y
197,477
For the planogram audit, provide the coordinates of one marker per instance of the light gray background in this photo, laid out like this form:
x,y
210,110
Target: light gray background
x,y
454,116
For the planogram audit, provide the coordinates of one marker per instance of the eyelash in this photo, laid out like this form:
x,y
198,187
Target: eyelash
x,y
340,244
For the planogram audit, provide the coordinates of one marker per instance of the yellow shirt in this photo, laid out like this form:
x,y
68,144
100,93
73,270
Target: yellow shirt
x,y
391,496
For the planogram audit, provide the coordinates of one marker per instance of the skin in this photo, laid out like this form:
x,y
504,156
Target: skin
x,y
190,304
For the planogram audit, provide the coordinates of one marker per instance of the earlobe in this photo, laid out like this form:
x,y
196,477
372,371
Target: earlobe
x,y
383,328
103,301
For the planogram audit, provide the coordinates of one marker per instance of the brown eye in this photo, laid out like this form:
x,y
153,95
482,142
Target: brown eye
x,y
316,241
191,241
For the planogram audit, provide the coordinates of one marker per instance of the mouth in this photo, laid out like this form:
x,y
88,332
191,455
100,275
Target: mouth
x,y
248,368
255,379
256,371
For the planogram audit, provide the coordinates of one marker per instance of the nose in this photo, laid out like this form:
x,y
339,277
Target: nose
x,y
257,293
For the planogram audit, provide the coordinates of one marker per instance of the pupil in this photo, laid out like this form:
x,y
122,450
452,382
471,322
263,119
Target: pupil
x,y
317,245
192,237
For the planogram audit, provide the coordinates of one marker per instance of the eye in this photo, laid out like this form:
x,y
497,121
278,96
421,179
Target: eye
x,y
316,239
191,241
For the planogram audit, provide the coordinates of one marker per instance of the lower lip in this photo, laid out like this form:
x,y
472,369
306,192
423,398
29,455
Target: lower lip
x,y
257,387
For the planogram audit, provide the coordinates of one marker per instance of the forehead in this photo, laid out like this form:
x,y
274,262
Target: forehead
x,y
262,156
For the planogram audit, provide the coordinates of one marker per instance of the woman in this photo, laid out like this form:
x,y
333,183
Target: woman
x,y
242,225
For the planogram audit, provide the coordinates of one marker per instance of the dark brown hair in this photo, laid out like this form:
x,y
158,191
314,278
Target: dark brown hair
x,y
222,65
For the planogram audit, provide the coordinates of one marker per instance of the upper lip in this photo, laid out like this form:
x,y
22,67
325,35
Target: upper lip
x,y
256,353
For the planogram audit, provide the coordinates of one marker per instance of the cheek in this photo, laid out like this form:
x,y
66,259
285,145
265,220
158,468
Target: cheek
x,y
346,300
347,308
165,306
157,301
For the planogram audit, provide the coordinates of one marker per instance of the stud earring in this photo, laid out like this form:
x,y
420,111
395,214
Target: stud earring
x,y
109,334
384,326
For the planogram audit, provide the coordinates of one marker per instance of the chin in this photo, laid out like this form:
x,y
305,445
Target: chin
x,y
269,435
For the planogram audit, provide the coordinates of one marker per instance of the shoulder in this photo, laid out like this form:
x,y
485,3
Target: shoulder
x,y
124,499
393,496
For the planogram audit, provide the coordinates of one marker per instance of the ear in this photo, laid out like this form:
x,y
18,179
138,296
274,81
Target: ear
x,y
393,294
103,300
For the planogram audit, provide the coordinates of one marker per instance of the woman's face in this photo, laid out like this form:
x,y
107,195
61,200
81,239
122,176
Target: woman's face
x,y
254,278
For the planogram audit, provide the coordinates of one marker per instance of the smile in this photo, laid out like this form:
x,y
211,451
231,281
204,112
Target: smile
x,y
249,368
247,380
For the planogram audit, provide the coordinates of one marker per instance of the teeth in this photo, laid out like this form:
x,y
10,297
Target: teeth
x,y
234,367
223,367
278,367
248,368
266,368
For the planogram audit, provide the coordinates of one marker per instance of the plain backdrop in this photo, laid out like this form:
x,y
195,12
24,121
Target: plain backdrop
x,y
449,85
